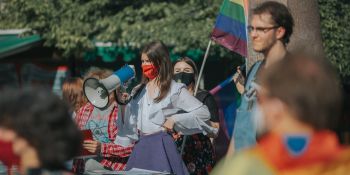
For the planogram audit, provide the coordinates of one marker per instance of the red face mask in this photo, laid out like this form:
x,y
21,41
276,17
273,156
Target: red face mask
x,y
7,155
150,71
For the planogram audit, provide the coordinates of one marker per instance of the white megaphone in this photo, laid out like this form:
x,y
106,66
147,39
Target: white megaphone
x,y
97,91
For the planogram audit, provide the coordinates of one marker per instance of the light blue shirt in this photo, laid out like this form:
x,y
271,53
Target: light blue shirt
x,y
150,118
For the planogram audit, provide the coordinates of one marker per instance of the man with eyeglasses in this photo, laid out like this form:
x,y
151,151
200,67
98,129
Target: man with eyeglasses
x,y
270,28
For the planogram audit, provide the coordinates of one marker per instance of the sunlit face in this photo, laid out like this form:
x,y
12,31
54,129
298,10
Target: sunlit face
x,y
18,144
183,67
145,60
263,33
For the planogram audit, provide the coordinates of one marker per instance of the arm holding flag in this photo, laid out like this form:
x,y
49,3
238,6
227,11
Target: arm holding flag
x,y
239,80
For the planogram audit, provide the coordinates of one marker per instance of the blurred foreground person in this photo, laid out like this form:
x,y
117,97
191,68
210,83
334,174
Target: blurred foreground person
x,y
40,128
299,102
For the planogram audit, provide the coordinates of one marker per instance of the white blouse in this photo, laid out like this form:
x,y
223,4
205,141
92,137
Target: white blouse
x,y
189,114
144,125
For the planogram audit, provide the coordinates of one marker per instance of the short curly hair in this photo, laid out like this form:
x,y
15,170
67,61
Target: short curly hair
x,y
280,15
304,83
43,120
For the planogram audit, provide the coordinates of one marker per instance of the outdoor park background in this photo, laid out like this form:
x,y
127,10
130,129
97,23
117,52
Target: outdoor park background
x,y
66,37
44,41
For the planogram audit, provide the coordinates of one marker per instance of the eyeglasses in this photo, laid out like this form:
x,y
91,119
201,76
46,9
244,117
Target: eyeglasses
x,y
261,30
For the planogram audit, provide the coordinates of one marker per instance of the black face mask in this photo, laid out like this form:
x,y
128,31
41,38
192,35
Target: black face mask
x,y
185,78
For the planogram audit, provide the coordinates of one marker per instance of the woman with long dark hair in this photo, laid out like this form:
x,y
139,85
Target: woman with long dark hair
x,y
198,151
158,106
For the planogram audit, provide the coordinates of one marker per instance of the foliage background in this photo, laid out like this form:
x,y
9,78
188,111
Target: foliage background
x,y
335,17
72,26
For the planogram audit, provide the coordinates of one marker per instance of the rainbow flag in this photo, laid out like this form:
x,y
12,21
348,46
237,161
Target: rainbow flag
x,y
228,99
230,27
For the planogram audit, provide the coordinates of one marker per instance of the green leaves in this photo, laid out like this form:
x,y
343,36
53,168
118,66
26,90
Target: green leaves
x,y
184,25
73,25
335,16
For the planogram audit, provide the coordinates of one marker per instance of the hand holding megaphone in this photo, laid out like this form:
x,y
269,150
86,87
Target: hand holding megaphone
x,y
97,91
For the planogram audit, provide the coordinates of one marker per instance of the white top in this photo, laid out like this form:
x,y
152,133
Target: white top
x,y
145,125
189,114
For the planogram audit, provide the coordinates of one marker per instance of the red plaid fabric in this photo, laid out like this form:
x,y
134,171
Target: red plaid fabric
x,y
114,156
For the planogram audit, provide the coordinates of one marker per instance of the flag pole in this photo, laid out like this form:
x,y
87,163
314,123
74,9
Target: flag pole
x,y
196,88
202,68
246,14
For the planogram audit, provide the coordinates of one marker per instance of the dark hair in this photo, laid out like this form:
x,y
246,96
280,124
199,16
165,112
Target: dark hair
x,y
43,120
279,14
72,93
308,86
190,62
159,55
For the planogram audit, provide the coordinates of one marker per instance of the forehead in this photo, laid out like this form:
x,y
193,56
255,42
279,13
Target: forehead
x,y
144,56
182,65
264,19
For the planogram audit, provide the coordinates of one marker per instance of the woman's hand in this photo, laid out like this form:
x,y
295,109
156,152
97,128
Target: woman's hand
x,y
214,125
92,146
169,124
122,97
176,135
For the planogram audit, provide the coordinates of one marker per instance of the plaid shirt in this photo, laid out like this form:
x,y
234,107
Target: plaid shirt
x,y
114,156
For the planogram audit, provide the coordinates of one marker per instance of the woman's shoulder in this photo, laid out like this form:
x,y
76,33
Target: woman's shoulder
x,y
175,84
176,87
136,91
203,95
203,92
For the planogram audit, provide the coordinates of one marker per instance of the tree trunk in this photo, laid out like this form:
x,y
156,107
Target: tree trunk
x,y
307,29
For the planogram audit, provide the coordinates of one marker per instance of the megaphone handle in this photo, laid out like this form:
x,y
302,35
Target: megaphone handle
x,y
104,93
122,98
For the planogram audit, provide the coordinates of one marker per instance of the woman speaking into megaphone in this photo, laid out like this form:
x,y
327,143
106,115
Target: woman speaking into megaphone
x,y
157,107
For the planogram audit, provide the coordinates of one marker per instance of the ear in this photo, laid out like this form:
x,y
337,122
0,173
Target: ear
x,y
280,32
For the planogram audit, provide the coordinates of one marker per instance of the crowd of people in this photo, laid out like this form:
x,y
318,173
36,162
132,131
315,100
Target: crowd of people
x,y
290,106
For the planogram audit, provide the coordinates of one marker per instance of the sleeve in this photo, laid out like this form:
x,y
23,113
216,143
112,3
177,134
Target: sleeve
x,y
127,130
213,108
112,149
196,116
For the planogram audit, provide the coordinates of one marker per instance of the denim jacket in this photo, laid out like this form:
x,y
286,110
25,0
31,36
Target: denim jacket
x,y
244,133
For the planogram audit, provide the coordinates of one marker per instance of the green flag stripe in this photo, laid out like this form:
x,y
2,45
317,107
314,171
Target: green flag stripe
x,y
233,10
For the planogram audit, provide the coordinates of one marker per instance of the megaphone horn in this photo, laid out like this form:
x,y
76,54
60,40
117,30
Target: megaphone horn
x,y
97,91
